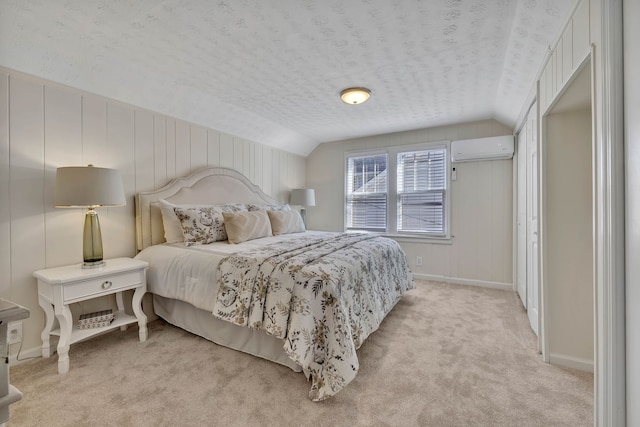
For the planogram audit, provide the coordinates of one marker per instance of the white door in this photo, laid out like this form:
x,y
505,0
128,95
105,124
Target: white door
x,y
521,256
532,219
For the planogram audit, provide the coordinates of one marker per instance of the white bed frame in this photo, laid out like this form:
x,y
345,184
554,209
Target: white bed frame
x,y
213,186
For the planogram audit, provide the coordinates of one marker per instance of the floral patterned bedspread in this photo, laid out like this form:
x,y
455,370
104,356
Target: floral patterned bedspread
x,y
322,296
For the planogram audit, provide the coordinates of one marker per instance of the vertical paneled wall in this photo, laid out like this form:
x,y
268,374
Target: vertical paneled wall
x,y
567,56
44,126
480,250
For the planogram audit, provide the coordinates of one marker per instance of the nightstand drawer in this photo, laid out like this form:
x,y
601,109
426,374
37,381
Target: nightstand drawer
x,y
101,285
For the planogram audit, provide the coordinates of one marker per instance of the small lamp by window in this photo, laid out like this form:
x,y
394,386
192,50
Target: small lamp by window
x,y
89,187
303,197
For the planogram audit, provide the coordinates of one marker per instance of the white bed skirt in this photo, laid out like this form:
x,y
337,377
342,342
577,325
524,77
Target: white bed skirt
x,y
202,323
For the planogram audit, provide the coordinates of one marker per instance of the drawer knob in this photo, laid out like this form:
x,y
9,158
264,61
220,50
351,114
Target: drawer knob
x,y
107,284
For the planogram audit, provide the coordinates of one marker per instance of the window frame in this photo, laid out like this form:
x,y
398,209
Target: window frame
x,y
369,153
392,190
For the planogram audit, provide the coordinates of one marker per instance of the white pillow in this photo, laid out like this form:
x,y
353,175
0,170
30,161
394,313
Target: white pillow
x,y
285,222
170,222
243,226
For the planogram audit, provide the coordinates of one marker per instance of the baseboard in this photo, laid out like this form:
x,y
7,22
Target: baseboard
x,y
24,356
470,282
571,362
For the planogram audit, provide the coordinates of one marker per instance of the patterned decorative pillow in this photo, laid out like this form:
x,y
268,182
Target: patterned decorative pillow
x,y
203,225
235,207
173,228
243,226
285,222
254,207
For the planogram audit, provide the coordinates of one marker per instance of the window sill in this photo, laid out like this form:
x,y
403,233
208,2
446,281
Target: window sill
x,y
411,238
406,238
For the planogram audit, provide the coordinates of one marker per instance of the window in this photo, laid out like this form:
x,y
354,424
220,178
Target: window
x,y
367,193
403,191
421,191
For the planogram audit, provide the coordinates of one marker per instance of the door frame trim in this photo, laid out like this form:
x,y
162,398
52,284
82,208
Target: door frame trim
x,y
610,357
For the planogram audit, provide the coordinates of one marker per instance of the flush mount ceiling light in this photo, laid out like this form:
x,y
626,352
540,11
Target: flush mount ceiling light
x,y
355,95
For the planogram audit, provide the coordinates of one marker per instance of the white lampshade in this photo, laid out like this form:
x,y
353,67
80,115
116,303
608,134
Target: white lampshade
x,y
88,186
303,197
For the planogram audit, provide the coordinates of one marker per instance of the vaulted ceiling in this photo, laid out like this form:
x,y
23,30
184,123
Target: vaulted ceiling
x,y
271,71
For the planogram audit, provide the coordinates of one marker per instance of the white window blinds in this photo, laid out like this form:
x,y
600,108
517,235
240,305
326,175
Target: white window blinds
x,y
367,187
421,191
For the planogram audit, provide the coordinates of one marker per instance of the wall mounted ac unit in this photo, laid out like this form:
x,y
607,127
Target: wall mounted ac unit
x,y
492,148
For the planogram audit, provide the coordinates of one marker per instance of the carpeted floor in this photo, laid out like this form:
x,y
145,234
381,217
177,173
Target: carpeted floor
x,y
447,355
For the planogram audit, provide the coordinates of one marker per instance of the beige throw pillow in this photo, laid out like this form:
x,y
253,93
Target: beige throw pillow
x,y
243,226
285,222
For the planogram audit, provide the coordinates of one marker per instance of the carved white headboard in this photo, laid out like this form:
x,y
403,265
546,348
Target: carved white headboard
x,y
213,186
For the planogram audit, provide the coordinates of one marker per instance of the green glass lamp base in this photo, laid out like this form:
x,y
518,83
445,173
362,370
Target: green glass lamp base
x,y
92,241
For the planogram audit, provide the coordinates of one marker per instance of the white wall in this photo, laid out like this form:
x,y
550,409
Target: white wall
x,y
44,125
480,251
632,150
569,238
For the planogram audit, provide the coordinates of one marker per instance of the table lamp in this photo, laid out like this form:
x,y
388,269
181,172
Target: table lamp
x,y
303,197
89,187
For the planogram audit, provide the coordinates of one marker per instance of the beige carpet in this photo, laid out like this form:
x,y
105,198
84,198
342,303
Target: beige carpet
x,y
447,355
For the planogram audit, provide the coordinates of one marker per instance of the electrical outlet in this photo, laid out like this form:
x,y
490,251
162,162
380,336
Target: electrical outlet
x,y
418,261
14,334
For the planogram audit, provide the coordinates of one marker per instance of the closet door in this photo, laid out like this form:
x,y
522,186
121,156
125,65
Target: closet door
x,y
521,256
532,220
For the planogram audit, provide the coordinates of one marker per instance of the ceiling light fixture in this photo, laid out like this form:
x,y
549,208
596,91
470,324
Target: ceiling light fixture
x,y
355,95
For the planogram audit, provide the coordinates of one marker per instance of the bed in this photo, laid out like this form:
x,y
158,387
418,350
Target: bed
x,y
303,299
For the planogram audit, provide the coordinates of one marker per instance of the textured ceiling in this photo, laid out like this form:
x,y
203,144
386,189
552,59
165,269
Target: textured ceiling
x,y
271,71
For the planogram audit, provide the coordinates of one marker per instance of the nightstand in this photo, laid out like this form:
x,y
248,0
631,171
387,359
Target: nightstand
x,y
61,286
